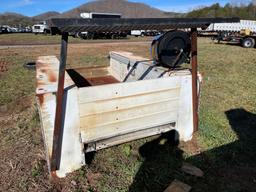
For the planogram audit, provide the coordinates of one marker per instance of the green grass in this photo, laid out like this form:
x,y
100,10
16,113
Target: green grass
x,y
32,39
226,137
17,82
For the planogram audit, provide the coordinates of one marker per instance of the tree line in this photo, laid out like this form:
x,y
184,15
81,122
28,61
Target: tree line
x,y
216,10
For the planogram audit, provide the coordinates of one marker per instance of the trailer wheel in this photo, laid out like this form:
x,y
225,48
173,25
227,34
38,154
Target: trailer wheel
x,y
248,43
30,65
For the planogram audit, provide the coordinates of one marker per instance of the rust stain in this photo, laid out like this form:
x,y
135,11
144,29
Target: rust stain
x,y
52,77
41,99
3,66
43,70
54,175
102,80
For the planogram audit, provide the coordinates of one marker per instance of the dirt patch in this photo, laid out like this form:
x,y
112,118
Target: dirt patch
x,y
3,66
192,147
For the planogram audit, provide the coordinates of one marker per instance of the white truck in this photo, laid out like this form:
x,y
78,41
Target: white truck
x,y
41,28
138,33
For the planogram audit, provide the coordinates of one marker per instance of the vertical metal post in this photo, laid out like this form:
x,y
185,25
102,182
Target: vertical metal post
x,y
194,78
56,148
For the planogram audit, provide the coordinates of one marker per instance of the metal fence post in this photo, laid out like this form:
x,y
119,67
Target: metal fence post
x,y
56,148
194,77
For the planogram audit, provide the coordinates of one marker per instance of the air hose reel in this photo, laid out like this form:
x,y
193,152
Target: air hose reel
x,y
171,49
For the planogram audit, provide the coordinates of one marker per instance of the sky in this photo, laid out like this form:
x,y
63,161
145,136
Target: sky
x,y
35,7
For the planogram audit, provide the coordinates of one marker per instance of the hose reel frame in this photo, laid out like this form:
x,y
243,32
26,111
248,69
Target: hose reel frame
x,y
171,49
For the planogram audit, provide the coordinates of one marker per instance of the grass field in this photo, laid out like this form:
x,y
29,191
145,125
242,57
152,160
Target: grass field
x,y
224,148
32,39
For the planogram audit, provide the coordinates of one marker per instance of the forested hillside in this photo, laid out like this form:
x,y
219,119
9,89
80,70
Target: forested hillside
x,y
229,10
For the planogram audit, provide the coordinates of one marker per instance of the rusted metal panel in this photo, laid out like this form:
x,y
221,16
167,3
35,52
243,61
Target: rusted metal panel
x,y
47,70
72,156
46,103
103,80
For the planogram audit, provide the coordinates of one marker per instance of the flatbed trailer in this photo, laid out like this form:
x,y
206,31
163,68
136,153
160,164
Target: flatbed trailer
x,y
246,41
242,33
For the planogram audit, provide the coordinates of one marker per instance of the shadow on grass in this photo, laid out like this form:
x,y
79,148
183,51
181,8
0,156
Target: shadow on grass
x,y
231,167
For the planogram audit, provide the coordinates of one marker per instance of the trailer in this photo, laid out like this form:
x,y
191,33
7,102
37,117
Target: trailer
x,y
100,34
233,27
242,33
89,109
244,38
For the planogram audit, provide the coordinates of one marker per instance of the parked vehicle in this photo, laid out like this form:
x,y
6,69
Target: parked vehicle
x,y
44,28
100,35
232,27
243,33
153,33
8,29
138,33
245,39
3,29
41,27
141,33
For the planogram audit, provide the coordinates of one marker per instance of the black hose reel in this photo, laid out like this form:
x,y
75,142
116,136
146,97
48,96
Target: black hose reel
x,y
171,49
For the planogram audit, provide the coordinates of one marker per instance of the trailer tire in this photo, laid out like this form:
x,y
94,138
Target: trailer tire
x,y
30,65
248,43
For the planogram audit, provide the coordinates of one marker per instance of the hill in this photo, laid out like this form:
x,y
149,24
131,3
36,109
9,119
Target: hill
x,y
12,19
126,8
45,16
